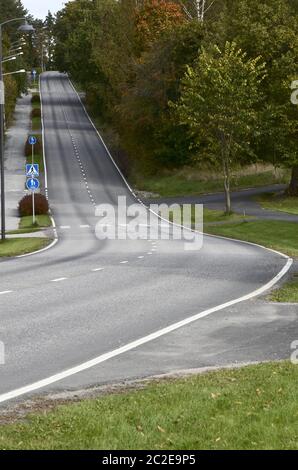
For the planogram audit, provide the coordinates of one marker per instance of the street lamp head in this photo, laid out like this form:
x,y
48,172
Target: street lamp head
x,y
26,28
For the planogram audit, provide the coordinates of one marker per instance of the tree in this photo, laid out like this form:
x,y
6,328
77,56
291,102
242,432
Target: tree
x,y
270,29
14,84
219,103
154,17
72,31
149,128
197,9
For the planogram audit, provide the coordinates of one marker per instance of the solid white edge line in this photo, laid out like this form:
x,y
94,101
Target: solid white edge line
x,y
162,218
140,342
56,239
60,279
46,170
146,339
101,139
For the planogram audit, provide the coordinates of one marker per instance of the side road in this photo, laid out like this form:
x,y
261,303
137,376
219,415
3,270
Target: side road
x,y
242,202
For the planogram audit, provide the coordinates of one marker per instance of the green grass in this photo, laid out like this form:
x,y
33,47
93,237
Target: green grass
x,y
23,231
41,221
188,184
287,293
26,225
20,246
219,217
38,159
251,408
278,203
211,217
280,236
36,124
35,105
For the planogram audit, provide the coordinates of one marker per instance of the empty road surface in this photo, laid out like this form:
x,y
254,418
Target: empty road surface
x,y
85,297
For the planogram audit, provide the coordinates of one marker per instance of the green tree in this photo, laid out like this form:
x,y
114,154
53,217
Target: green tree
x,y
219,103
149,129
270,29
14,84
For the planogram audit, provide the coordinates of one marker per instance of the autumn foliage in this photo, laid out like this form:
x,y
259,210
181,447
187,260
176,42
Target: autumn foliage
x,y
41,205
155,17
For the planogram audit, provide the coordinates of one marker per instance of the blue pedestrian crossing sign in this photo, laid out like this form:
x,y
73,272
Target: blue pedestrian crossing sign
x,y
32,184
32,140
32,170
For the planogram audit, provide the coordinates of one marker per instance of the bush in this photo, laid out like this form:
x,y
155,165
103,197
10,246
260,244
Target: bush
x,y
35,99
41,205
37,148
36,113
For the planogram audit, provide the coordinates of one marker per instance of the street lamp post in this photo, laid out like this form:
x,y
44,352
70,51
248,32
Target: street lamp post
x,y
26,28
2,142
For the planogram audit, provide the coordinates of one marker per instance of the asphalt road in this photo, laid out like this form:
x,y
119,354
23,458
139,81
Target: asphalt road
x,y
243,202
86,297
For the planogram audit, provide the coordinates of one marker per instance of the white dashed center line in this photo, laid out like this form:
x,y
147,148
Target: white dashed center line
x,y
97,270
6,292
59,280
77,155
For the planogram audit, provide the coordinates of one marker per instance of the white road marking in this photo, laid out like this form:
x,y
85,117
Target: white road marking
x,y
84,226
97,270
141,257
48,247
65,227
59,279
6,292
140,342
133,345
123,262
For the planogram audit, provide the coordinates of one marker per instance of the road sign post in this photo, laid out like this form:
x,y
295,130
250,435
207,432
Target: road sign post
x,y
32,172
34,73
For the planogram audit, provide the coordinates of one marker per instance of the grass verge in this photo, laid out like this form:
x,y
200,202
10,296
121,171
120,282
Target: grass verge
x,y
38,159
277,203
42,221
26,226
21,246
287,293
189,183
219,217
36,124
212,217
280,236
249,408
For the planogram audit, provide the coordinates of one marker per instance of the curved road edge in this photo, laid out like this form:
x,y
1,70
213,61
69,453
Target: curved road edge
x,y
141,341
56,238
153,336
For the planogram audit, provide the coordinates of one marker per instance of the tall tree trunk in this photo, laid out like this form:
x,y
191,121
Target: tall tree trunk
x,y
228,198
227,187
293,188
